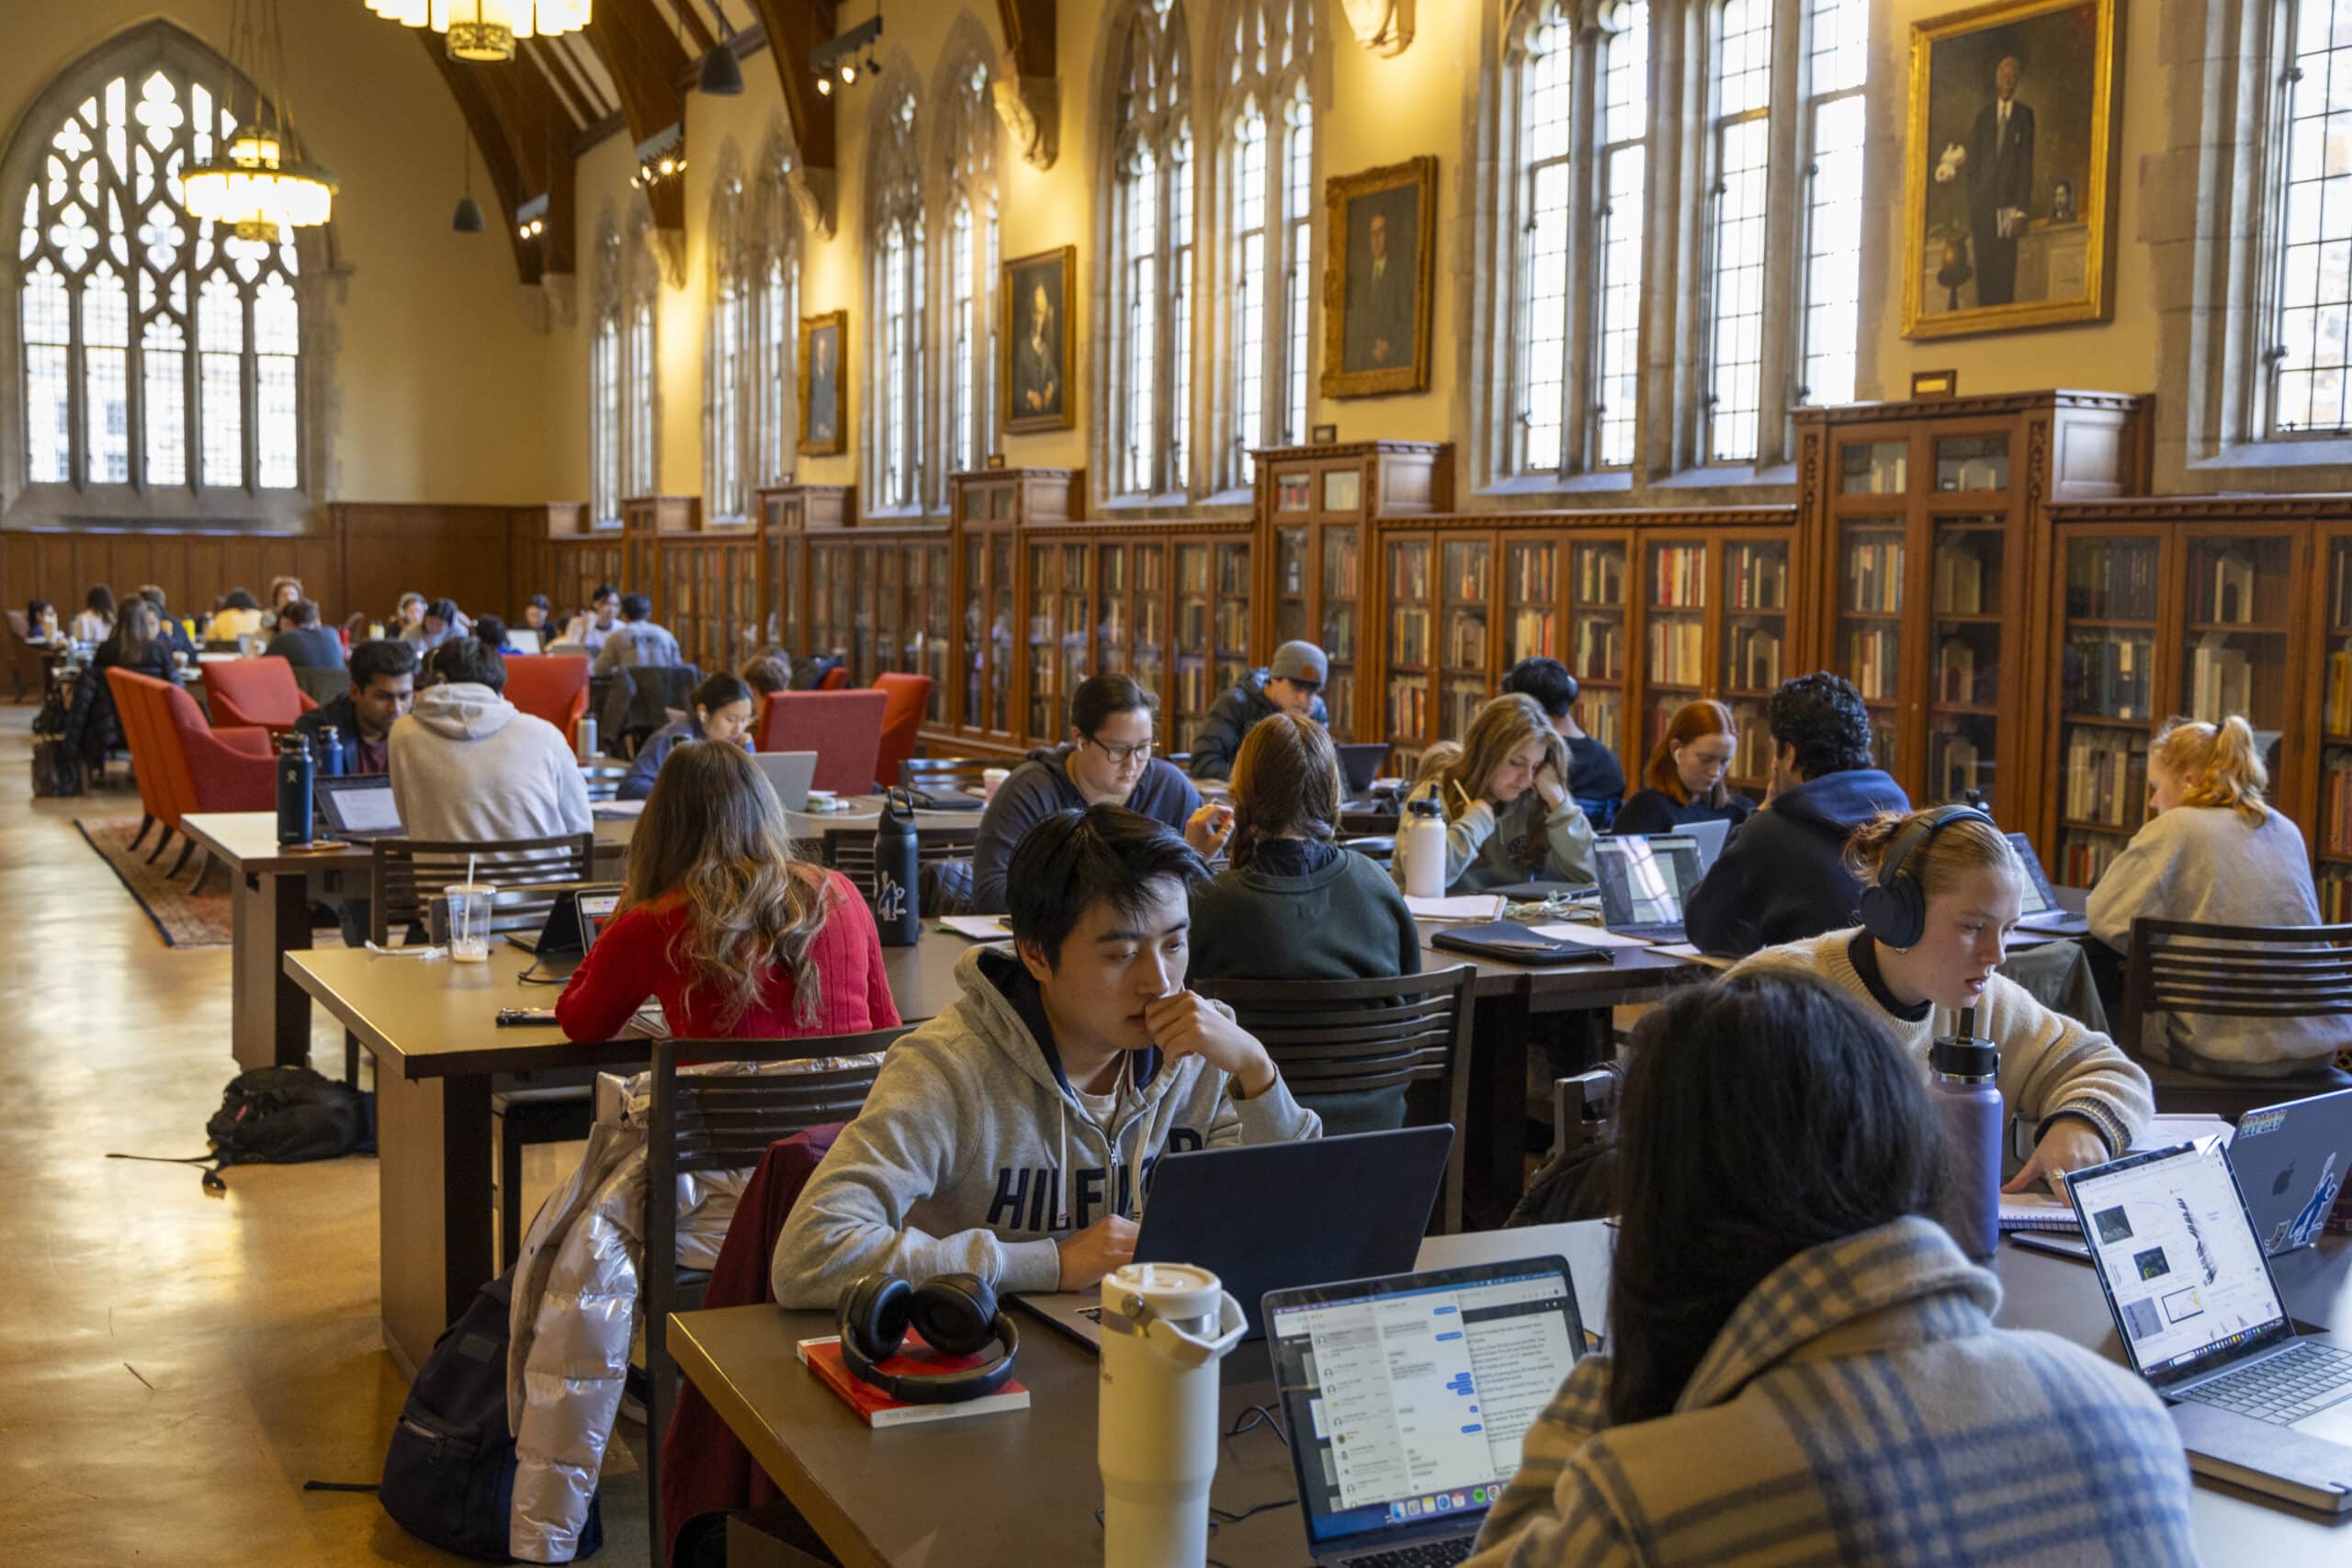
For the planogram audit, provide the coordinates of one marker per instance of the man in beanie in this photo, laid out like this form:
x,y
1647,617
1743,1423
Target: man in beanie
x,y
1287,686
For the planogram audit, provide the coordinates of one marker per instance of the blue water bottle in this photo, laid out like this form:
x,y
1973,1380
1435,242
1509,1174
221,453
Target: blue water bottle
x,y
1964,1074
294,783
330,751
897,867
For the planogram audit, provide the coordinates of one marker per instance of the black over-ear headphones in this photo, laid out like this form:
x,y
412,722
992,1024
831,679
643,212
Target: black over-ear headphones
x,y
956,1316
1894,906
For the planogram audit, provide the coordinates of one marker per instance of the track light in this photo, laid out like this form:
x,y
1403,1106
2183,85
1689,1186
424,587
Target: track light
x,y
824,86
849,72
837,61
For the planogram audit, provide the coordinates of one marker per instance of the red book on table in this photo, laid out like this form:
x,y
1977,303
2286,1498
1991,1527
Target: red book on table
x,y
914,1360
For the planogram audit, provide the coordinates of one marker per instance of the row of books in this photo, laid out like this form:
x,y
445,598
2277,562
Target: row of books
x,y
1409,571
2110,674
1754,663
1191,687
1233,569
1408,637
1599,574
2083,859
1873,661
2336,910
1754,759
2334,823
1678,577
2339,589
1874,576
1339,568
1601,714
1678,652
2106,779
1960,581
2112,581
1463,701
1960,679
1338,641
1531,574
1466,637
2338,718
1193,570
1531,635
2221,679
1756,576
1601,649
1465,572
2225,594
1956,764
1409,708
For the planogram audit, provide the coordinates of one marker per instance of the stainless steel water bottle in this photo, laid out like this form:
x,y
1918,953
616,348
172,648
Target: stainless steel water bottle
x,y
294,783
1963,1074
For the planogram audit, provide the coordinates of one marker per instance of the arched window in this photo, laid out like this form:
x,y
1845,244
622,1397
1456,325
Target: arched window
x,y
967,160
1839,66
157,354
727,353
895,230
1149,346
1269,153
1741,152
772,263
640,365
2310,360
604,378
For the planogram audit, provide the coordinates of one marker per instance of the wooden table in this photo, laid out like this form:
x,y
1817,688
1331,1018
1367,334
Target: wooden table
x,y
1021,1488
431,1026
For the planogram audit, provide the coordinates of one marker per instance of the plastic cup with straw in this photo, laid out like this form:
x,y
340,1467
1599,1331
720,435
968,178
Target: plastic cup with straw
x,y
469,904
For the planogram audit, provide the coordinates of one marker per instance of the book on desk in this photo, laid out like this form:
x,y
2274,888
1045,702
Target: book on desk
x,y
823,1357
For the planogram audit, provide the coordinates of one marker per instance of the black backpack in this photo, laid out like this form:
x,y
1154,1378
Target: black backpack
x,y
450,1470
281,1116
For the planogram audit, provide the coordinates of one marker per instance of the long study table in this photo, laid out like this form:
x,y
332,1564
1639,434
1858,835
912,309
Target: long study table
x,y
1020,1487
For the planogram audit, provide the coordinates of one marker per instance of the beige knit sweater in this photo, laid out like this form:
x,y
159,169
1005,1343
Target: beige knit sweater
x,y
2049,1062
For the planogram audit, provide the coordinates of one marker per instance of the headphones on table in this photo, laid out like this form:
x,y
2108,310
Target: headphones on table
x,y
956,1316
1895,906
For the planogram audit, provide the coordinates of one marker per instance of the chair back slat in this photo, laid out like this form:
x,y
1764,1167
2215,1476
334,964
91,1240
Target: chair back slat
x,y
1363,1036
405,874
965,776
2194,969
850,850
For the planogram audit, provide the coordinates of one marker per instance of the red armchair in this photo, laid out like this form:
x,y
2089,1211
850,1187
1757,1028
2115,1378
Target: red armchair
x,y
193,767
906,696
254,693
552,686
844,728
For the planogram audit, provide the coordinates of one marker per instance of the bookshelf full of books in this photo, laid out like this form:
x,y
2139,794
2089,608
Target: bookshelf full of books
x,y
2113,588
1410,659
1967,594
1342,566
1755,648
1192,674
2332,842
1531,600
1230,616
1596,638
1868,649
1674,631
1464,655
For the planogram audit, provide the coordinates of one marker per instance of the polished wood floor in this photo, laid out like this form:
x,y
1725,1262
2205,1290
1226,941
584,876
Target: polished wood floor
x,y
173,1366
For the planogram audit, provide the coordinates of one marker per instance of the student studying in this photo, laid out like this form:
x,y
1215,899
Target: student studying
x,y
1503,791
721,709
1688,779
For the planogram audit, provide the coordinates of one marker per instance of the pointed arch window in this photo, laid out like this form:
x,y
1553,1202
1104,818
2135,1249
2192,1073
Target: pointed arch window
x,y
604,382
895,223
1148,365
772,263
728,353
639,360
967,156
1269,160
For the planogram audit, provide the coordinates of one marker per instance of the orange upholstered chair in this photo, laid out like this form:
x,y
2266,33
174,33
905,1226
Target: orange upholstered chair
x,y
901,717
197,768
254,693
844,728
552,686
835,679
146,764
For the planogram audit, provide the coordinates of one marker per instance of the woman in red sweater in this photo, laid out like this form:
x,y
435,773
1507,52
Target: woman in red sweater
x,y
736,938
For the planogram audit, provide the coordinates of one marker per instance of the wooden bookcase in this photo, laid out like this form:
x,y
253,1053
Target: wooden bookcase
x,y
1924,523
578,558
790,517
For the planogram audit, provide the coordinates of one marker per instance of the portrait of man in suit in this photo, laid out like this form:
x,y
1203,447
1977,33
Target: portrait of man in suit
x,y
1037,357
1998,163
820,385
1382,279
1034,319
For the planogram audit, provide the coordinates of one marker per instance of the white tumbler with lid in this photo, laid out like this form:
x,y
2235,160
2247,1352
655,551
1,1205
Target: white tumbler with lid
x,y
1165,1327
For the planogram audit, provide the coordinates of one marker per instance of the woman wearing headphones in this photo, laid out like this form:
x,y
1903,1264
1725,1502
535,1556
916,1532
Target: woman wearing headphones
x,y
1942,895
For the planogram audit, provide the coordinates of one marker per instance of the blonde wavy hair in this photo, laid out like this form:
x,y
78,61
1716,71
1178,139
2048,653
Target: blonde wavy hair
x,y
1459,774
2218,765
714,831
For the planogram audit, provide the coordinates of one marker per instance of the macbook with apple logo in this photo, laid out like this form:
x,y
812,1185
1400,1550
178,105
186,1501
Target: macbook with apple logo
x,y
2289,1161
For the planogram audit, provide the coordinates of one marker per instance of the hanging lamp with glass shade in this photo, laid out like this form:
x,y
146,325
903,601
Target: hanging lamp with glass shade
x,y
485,30
258,184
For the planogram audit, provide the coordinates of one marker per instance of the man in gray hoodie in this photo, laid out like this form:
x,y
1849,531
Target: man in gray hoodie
x,y
468,765
1014,1135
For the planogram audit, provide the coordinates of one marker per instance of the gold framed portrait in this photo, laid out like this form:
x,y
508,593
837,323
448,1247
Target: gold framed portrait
x,y
1036,380
1377,293
824,384
2008,206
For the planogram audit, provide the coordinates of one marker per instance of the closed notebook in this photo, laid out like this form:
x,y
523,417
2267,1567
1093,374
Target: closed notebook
x,y
2037,1212
914,1360
1510,942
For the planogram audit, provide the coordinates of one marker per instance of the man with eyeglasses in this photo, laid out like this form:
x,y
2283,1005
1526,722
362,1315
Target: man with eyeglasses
x,y
1287,686
1107,760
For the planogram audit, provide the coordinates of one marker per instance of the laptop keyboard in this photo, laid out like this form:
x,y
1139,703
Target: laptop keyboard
x,y
1423,1554
2286,1388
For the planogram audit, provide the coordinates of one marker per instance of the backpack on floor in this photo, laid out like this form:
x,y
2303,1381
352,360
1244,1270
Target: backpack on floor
x,y
56,769
286,1115
450,1469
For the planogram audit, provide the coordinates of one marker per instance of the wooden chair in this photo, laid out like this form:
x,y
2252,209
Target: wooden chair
x,y
1332,1037
721,1122
953,775
1382,849
405,874
2189,969
850,851
604,780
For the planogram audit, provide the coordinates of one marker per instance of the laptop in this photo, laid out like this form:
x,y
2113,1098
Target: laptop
x,y
2201,1317
1405,1399
1267,1216
2288,1160
790,774
2038,909
1360,765
1709,836
1643,880
575,920
524,638
358,807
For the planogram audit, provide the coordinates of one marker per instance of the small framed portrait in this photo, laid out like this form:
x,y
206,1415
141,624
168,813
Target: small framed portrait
x,y
2010,189
824,384
1037,292
1382,226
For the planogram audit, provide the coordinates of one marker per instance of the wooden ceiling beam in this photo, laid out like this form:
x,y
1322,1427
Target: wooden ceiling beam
x,y
494,140
641,53
579,105
690,13
794,29
1029,35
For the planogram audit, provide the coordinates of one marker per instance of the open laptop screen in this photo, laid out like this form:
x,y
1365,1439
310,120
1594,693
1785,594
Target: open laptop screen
x,y
2036,897
1407,1397
2184,1274
1645,880
364,806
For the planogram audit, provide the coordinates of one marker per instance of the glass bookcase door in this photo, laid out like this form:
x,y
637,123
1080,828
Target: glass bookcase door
x,y
1291,567
1596,623
1232,616
1966,596
1973,462
2107,689
1341,591
1754,649
1873,468
975,642
1869,622
1408,703
889,608
937,616
1044,600
861,618
1001,624
1151,620
1113,629
2332,840
785,627
2234,643
1461,673
1532,596
1674,574
1192,662
1076,629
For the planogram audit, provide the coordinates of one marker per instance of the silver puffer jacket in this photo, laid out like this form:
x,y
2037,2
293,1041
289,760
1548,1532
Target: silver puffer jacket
x,y
575,1312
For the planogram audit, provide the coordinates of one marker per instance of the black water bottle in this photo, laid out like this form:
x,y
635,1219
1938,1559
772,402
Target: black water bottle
x,y
330,751
895,867
294,784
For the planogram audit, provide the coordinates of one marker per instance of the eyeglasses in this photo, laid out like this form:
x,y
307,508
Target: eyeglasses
x,y
1307,688
1121,756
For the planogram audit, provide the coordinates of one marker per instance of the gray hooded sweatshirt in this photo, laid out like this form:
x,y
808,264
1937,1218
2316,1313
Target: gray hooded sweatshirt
x,y
973,1153
468,765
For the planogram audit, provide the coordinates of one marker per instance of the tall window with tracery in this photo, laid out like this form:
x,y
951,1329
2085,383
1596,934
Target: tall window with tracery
x,y
2310,354
726,356
148,337
604,381
1741,152
641,366
965,155
1269,158
1838,69
1623,185
895,224
772,262
1149,360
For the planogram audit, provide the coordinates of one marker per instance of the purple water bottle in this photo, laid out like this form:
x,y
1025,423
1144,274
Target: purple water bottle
x,y
1963,1078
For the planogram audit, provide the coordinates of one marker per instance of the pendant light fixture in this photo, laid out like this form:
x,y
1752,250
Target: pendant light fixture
x,y
483,31
722,74
258,184
468,219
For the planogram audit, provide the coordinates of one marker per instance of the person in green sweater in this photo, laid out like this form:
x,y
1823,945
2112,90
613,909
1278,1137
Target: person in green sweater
x,y
1293,905
1942,894
1504,793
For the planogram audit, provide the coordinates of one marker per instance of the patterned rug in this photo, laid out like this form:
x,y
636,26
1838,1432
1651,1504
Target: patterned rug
x,y
182,918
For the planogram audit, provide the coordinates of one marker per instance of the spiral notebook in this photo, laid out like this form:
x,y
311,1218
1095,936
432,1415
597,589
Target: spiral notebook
x,y
2045,1211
